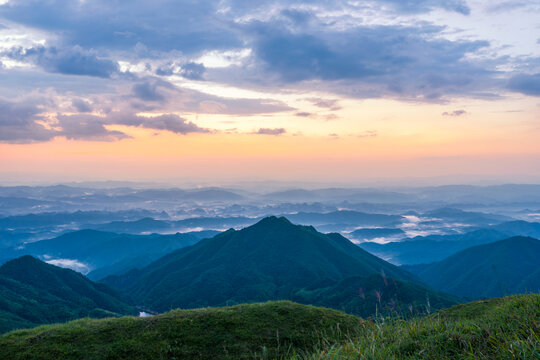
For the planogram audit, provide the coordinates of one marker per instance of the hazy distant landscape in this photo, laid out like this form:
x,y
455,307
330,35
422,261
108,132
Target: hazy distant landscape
x,y
70,252
269,180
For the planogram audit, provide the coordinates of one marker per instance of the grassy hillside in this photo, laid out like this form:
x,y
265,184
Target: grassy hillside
x,y
33,292
503,328
239,332
504,267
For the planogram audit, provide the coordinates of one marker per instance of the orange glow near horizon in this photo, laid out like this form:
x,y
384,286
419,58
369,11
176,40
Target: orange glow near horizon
x,y
369,139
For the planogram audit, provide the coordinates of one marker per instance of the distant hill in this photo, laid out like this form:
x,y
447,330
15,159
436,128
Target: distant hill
x,y
52,219
504,267
373,233
146,225
432,248
519,227
467,217
33,292
424,249
270,260
339,194
284,330
355,218
106,253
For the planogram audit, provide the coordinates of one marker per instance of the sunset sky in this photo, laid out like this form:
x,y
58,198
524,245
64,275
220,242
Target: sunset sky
x,y
233,90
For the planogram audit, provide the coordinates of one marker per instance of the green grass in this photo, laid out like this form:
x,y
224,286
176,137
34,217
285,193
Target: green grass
x,y
503,328
266,330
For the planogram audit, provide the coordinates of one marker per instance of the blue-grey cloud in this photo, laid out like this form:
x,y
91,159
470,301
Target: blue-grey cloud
x,y
508,5
185,25
71,61
399,60
148,91
528,84
81,105
416,6
189,70
193,71
295,44
397,6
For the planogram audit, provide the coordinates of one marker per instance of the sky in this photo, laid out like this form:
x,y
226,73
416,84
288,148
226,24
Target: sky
x,y
301,91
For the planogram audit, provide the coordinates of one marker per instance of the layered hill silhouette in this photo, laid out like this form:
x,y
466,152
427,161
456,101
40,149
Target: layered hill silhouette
x,y
33,293
105,253
270,260
433,248
504,267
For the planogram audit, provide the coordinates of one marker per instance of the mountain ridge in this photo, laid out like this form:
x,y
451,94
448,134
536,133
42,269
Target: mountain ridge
x,y
504,267
34,293
271,260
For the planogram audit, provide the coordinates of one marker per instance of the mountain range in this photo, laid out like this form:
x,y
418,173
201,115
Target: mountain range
x,y
432,248
273,259
101,253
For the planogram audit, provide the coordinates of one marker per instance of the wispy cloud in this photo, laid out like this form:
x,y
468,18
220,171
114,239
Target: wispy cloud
x,y
454,113
270,131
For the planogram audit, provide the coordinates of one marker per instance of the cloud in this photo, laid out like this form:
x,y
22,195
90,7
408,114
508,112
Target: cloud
x,y
528,84
91,127
19,122
370,61
331,117
188,26
416,6
193,71
29,120
70,61
368,133
268,131
303,114
87,127
149,91
81,105
506,6
72,264
189,70
454,113
331,104
360,49
169,122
